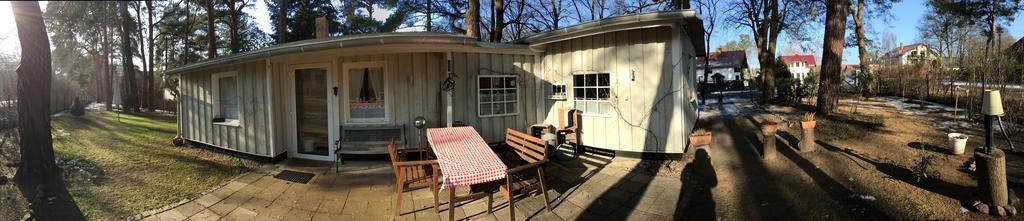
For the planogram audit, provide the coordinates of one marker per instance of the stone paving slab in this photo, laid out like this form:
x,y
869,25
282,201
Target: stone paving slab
x,y
365,191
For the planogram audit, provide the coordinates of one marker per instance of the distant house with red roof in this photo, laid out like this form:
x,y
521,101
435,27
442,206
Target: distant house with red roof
x,y
730,64
799,65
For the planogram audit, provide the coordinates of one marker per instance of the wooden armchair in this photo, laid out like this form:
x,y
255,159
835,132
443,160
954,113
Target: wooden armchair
x,y
569,126
411,175
526,173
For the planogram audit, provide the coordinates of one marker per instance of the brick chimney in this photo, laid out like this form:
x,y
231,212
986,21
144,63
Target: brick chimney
x,y
901,48
321,27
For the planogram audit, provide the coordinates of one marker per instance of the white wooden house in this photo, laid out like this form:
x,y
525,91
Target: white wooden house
x,y
631,75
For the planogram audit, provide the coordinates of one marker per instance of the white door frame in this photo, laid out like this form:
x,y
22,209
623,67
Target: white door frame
x,y
332,125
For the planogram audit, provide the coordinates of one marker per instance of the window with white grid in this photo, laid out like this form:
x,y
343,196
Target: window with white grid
x,y
497,95
591,93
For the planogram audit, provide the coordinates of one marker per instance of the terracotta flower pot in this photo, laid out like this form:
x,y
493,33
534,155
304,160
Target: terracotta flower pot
x,y
700,139
807,124
769,127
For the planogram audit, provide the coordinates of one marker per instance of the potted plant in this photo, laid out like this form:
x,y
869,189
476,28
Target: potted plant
x,y
700,137
807,124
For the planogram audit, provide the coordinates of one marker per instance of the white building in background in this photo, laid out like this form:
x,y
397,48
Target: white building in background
x,y
732,65
799,65
908,54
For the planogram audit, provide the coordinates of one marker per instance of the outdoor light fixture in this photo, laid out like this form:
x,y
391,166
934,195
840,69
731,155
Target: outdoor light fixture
x,y
992,106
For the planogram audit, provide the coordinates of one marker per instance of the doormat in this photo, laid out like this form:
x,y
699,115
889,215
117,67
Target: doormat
x,y
294,176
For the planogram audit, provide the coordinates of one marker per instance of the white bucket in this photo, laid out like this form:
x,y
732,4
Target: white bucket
x,y
957,143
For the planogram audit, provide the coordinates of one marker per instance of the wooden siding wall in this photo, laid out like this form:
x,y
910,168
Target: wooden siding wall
x,y
413,85
642,102
196,117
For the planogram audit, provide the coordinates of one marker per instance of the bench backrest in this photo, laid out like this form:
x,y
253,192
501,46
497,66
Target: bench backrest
x,y
529,148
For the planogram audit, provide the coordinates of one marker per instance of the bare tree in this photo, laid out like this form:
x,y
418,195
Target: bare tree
x,y
766,19
38,177
709,11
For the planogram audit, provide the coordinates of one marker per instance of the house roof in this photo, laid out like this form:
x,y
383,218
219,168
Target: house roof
x,y
343,42
724,59
692,25
806,58
906,49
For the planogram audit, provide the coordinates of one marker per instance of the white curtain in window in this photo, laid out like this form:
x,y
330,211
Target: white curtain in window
x,y
228,97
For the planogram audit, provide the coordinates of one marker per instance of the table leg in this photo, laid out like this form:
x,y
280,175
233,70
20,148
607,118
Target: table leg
x,y
451,204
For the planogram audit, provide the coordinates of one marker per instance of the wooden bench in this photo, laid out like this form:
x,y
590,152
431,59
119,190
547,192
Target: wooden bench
x,y
526,172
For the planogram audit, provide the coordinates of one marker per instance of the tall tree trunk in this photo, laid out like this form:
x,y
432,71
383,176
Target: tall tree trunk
x,y
499,20
233,14
473,19
862,47
832,58
188,32
430,20
282,27
108,76
38,177
143,101
681,4
556,13
211,31
149,73
130,97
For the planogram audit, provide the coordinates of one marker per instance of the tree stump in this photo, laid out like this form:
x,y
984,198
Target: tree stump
x,y
991,174
768,129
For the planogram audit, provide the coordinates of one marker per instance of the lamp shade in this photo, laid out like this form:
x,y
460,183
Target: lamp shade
x,y
993,104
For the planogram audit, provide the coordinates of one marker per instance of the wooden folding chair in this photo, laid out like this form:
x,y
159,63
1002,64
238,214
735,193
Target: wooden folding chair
x,y
411,175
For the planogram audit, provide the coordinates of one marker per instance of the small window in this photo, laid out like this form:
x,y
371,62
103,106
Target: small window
x,y
225,97
558,91
498,95
366,92
591,92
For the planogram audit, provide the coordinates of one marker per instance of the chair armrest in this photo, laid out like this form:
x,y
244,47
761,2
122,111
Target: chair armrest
x,y
526,167
416,163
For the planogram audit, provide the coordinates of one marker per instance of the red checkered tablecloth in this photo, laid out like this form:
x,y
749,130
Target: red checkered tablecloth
x,y
464,157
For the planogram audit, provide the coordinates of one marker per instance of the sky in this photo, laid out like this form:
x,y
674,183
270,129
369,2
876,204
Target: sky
x,y
903,25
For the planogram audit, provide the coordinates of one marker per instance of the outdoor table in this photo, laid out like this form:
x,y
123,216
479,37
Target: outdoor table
x,y
465,159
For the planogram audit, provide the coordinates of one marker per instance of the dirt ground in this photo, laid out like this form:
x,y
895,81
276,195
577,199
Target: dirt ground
x,y
861,172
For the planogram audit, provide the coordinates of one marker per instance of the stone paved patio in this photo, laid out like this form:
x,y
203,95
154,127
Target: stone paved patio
x,y
591,188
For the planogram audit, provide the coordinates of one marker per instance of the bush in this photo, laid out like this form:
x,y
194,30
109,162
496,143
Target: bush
x,y
923,171
77,108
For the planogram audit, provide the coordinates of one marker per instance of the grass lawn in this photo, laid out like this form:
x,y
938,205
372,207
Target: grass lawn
x,y
121,166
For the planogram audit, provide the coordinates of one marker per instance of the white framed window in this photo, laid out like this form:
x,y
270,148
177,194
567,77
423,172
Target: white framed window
x,y
226,98
365,92
497,95
591,93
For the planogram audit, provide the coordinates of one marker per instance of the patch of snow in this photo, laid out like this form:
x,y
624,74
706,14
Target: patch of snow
x,y
953,125
964,210
864,197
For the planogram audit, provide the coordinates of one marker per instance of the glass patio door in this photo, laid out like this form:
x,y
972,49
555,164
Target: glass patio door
x,y
312,114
